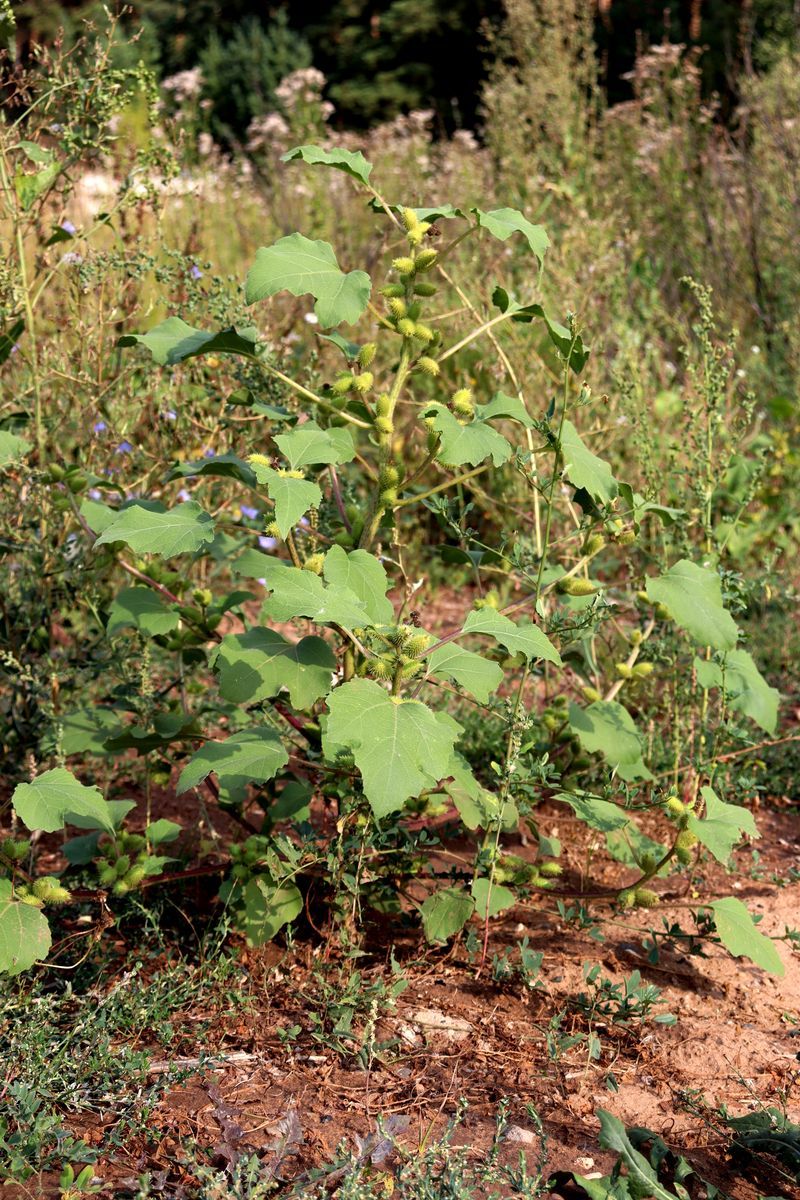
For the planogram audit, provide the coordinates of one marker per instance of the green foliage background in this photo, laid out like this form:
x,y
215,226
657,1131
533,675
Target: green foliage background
x,y
383,57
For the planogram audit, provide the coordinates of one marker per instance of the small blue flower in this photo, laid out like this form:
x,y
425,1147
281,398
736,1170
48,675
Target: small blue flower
x,y
263,582
184,495
195,272
123,448
15,348
170,415
95,494
247,511
209,453
68,227
267,543
99,426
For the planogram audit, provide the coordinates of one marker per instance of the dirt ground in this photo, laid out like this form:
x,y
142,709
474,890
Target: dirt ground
x,y
457,1035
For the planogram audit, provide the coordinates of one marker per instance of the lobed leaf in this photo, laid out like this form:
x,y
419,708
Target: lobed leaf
x,y
746,688
172,341
307,445
607,728
24,933
253,756
400,746
517,639
693,596
741,938
292,497
257,665
467,444
143,609
503,222
56,798
298,265
446,912
361,573
584,469
352,162
152,529
298,593
267,908
722,826
479,676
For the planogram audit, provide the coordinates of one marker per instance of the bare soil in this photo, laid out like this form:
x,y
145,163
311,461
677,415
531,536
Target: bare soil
x,y
456,1035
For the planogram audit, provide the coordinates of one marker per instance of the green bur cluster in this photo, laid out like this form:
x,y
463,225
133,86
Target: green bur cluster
x,y
248,858
398,649
124,863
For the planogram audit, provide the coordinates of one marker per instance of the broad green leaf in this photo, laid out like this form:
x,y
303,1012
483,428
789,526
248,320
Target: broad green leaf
x,y
151,529
98,516
298,593
162,831
643,1182
479,676
79,851
517,639
56,798
226,466
85,730
722,826
596,813
362,574
252,756
307,445
252,564
446,912
491,899
607,728
509,408
12,447
173,340
292,497
502,222
293,804
267,908
468,444
142,609
256,665
741,938
584,469
24,933
400,746
746,688
298,265
352,162
693,596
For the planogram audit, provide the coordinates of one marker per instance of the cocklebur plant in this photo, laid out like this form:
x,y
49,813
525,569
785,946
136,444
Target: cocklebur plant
x,y
355,711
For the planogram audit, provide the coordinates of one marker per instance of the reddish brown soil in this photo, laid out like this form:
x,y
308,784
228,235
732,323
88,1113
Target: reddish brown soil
x,y
734,1042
